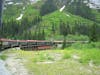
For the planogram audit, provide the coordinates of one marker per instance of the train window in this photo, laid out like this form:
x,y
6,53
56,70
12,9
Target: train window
x,y
38,43
42,43
5,43
31,43
23,43
48,43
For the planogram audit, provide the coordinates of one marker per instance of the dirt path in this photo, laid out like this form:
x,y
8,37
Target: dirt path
x,y
3,69
16,66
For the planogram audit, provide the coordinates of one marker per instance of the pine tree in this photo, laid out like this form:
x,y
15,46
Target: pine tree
x,y
93,34
43,35
53,29
78,6
64,30
48,7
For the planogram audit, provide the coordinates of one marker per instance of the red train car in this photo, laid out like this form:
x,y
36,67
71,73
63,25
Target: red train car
x,y
26,44
33,44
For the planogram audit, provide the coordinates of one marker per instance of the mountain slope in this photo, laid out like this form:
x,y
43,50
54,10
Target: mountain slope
x,y
28,23
51,24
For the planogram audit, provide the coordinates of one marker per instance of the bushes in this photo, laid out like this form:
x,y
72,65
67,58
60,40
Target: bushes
x,y
88,56
91,45
77,37
3,57
95,45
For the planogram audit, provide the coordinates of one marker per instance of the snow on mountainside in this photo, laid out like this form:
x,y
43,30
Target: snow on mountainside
x,y
9,4
95,4
19,2
20,17
61,5
96,1
61,9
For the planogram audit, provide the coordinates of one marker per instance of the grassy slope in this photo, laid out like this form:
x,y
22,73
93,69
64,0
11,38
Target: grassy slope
x,y
62,16
59,62
55,19
97,16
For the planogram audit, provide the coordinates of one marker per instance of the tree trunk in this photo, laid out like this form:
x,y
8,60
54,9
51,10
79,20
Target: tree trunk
x,y
64,43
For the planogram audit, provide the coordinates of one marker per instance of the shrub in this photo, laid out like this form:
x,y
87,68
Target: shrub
x,y
77,37
67,55
3,57
86,46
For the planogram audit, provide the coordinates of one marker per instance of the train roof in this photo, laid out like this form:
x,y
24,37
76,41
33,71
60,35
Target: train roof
x,y
56,41
9,40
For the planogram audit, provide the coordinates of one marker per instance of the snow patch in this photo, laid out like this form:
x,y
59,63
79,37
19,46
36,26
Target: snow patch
x,y
94,4
23,8
8,0
20,17
61,9
18,3
71,2
33,1
10,3
97,2
85,1
68,15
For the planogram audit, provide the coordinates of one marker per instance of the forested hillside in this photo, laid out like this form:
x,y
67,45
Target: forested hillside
x,y
51,20
50,37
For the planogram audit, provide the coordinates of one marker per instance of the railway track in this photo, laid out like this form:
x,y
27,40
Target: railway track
x,y
33,44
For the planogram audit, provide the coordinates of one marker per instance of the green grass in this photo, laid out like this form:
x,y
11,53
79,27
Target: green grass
x,y
59,62
65,65
55,18
88,55
85,55
3,57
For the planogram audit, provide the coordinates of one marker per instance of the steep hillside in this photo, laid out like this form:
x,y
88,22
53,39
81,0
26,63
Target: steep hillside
x,y
77,7
13,8
51,25
50,19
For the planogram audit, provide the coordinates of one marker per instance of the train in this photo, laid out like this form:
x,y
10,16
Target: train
x,y
26,44
32,44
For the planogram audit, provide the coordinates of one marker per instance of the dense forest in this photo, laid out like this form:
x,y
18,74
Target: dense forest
x,y
50,37
43,20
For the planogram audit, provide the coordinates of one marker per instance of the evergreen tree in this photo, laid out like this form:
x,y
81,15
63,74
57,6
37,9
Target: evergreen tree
x,y
78,7
35,35
53,29
43,35
93,33
48,7
64,30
